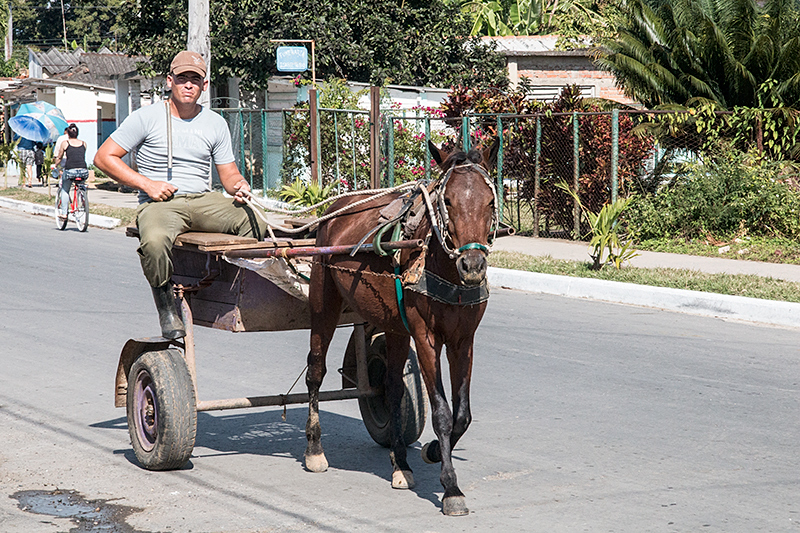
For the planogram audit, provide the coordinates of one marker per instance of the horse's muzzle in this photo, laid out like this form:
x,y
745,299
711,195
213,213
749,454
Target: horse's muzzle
x,y
471,267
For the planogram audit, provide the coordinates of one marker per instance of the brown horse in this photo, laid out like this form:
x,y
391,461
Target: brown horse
x,y
444,310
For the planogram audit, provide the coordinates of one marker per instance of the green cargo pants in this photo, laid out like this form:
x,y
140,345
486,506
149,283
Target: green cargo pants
x,y
160,223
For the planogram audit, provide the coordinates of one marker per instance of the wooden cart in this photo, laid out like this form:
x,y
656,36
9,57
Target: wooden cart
x,y
156,379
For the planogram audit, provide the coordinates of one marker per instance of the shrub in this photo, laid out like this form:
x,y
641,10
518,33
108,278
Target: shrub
x,y
733,194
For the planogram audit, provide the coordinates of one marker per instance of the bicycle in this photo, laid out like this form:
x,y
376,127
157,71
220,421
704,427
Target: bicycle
x,y
78,200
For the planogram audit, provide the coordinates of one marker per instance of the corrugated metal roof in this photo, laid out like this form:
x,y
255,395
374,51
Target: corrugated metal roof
x,y
536,45
55,61
103,64
91,68
82,74
110,64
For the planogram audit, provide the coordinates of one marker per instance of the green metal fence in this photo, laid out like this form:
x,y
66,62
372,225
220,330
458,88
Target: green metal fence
x,y
596,155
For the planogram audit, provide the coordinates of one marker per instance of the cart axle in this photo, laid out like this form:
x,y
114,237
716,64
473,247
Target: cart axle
x,y
282,399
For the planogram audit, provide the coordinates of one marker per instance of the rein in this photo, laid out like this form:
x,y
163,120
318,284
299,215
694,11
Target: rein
x,y
440,219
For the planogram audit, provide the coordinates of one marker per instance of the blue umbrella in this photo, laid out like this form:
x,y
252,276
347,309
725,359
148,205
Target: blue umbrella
x,y
38,121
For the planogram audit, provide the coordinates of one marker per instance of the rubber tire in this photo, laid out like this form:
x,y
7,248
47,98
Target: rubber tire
x,y
161,379
61,222
375,409
82,209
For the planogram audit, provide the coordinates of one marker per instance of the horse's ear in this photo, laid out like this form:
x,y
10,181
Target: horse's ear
x,y
490,153
437,154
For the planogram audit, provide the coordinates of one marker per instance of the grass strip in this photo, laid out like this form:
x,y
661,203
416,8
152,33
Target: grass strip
x,y
766,249
733,284
126,215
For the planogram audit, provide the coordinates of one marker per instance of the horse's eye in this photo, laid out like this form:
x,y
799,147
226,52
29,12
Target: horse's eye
x,y
447,202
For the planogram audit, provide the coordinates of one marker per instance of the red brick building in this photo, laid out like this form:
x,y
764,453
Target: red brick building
x,y
549,69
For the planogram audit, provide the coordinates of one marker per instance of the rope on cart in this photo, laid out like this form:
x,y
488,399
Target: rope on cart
x,y
258,206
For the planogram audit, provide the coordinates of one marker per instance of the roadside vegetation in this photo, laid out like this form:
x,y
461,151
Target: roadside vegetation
x,y
127,216
736,285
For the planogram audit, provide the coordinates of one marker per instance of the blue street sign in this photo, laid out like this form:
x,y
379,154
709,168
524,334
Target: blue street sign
x,y
292,58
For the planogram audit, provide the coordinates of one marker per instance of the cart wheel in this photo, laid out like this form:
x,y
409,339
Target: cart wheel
x,y
375,409
162,415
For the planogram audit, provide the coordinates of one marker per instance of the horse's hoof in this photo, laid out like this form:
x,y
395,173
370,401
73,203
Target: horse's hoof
x,y
402,479
316,463
432,446
455,506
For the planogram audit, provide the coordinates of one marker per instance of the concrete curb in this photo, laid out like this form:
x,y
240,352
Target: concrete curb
x,y
693,302
98,221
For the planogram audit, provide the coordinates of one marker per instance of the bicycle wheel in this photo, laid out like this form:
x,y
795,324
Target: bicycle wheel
x,y
81,208
61,220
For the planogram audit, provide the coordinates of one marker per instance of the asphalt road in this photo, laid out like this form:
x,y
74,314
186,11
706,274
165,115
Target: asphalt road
x,y
588,416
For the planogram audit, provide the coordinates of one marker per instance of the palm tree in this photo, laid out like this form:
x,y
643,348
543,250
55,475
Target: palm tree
x,y
721,51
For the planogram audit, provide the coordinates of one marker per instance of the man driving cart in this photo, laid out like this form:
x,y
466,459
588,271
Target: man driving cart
x,y
176,142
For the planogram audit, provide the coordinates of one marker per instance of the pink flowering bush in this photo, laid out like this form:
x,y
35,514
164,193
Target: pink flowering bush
x,y
344,140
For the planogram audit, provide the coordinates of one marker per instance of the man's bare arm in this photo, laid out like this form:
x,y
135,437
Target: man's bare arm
x,y
233,181
109,159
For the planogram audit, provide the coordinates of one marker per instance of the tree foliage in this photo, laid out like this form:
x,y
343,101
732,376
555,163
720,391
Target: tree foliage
x,y
90,23
415,42
572,20
722,51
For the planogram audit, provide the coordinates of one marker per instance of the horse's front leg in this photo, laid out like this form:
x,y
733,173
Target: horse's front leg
x,y
396,355
325,303
460,360
428,352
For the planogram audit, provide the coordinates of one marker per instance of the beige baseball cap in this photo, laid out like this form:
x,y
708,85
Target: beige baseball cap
x,y
187,61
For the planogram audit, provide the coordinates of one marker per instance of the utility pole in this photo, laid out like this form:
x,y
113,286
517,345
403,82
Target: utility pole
x,y
199,39
9,35
64,25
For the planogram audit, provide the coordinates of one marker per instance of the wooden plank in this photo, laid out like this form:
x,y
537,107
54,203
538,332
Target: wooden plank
x,y
288,243
220,242
202,239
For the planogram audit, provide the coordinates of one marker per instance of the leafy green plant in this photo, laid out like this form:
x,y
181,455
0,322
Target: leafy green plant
x,y
304,194
8,152
47,163
608,233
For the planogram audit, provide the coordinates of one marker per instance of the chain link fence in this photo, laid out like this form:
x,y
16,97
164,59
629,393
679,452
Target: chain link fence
x,y
598,156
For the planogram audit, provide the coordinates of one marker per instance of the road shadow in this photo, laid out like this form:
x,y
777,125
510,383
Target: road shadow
x,y
347,444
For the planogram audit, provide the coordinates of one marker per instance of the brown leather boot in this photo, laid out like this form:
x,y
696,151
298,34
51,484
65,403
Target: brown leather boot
x,y
168,315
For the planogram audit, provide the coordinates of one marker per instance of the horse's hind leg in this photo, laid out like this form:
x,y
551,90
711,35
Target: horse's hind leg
x,y
396,354
325,303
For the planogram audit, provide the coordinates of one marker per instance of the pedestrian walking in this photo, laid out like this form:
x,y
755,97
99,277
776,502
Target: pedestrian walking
x,y
38,159
26,149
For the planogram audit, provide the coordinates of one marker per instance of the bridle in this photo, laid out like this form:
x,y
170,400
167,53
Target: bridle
x,y
440,218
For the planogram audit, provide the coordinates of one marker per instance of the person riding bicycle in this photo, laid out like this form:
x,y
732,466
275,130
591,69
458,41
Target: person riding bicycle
x,y
73,150
174,165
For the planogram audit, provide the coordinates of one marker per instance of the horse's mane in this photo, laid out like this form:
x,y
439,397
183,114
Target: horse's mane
x,y
459,158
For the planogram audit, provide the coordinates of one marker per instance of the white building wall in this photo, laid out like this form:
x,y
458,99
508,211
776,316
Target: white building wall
x,y
80,106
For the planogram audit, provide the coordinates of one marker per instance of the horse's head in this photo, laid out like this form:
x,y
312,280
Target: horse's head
x,y
467,208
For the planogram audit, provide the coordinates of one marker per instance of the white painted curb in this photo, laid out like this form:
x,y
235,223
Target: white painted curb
x,y
98,221
685,301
